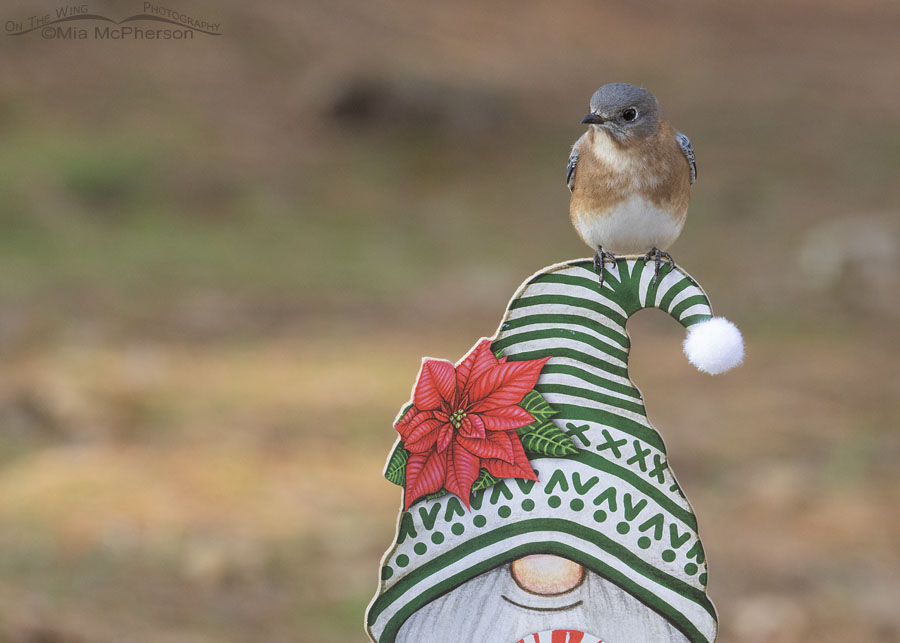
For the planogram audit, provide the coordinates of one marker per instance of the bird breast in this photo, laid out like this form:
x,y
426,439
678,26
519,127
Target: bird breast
x,y
631,226
630,198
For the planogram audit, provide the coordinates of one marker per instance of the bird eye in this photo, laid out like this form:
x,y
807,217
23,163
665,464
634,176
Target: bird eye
x,y
629,114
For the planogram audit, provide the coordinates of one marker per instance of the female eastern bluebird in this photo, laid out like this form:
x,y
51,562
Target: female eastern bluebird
x,y
630,176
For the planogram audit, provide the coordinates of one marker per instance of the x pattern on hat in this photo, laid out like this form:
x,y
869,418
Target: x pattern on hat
x,y
613,507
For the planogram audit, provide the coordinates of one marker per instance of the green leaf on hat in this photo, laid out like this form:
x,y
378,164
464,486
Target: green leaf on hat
x,y
484,480
542,437
540,409
396,468
546,439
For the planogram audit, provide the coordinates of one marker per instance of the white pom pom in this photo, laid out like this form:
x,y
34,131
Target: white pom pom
x,y
714,346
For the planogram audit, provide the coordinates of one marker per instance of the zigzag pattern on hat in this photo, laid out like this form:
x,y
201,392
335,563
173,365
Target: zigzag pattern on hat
x,y
613,507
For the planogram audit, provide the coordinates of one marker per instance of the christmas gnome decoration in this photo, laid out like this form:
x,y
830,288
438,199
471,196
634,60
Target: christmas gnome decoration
x,y
538,502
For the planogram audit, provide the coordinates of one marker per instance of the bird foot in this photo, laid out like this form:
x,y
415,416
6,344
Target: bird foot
x,y
600,260
658,257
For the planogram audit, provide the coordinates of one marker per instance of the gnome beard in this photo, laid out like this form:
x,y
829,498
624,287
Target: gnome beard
x,y
493,607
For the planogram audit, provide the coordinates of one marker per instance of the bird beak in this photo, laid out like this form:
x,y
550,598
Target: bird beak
x,y
593,119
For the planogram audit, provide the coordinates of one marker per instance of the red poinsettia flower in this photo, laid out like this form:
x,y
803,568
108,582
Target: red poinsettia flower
x,y
465,417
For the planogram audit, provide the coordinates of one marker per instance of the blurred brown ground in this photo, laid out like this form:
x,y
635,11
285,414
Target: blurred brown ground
x,y
221,260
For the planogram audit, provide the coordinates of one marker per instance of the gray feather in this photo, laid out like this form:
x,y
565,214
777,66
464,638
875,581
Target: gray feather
x,y
570,168
685,143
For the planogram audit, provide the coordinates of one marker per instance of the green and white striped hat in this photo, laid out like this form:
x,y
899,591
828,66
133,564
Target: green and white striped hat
x,y
614,506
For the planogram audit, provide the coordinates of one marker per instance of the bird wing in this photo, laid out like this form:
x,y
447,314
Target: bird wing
x,y
688,150
573,163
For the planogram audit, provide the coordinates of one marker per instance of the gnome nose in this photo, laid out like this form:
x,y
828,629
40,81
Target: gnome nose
x,y
546,574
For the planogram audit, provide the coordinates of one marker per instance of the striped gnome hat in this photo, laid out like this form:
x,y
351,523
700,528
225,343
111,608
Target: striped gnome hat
x,y
537,442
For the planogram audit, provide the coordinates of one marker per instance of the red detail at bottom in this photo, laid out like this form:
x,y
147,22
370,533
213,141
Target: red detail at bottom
x,y
560,636
567,636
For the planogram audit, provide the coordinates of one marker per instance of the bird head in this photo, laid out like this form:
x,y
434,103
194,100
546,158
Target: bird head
x,y
625,112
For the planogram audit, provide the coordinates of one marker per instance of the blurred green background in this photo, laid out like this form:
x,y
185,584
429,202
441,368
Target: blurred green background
x,y
222,259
